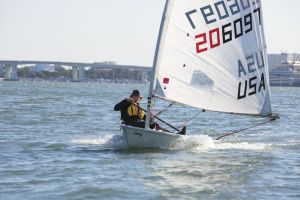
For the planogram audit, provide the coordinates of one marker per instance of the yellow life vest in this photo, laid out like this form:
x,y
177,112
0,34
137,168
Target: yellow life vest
x,y
133,110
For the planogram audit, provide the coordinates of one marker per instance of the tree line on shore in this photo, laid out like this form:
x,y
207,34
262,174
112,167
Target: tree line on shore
x,y
120,74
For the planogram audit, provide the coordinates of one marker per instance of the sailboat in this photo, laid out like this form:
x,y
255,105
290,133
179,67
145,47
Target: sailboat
x,y
211,55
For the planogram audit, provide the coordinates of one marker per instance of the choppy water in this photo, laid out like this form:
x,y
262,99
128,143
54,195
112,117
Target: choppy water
x,y
62,141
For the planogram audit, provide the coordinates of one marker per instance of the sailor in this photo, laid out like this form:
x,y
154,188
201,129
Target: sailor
x,y
131,112
133,115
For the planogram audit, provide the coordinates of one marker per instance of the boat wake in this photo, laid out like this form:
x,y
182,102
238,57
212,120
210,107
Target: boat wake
x,y
204,142
188,142
107,141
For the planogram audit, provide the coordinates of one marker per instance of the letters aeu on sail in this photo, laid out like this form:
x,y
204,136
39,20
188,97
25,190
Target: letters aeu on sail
x,y
212,55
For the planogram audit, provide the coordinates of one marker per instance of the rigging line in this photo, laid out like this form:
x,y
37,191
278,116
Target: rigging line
x,y
164,110
241,130
157,118
191,118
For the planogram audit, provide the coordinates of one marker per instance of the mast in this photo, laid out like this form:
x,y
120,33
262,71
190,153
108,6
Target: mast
x,y
154,67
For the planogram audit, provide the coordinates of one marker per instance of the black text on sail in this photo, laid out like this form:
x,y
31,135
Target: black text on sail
x,y
217,36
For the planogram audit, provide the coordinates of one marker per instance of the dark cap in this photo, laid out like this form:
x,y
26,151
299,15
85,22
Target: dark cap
x,y
135,93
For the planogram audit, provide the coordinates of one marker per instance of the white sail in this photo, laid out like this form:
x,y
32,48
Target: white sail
x,y
212,55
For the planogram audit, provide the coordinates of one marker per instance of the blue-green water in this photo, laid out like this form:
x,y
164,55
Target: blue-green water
x,y
62,141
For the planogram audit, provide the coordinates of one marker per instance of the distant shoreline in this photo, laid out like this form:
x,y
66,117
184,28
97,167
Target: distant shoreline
x,y
111,81
83,81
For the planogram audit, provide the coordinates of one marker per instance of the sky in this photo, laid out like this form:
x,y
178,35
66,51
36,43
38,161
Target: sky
x,y
124,31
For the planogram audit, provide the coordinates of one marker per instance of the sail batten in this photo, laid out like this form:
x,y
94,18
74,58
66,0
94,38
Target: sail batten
x,y
213,56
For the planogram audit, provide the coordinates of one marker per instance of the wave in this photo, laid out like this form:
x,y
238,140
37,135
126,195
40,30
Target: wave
x,y
105,141
205,142
188,142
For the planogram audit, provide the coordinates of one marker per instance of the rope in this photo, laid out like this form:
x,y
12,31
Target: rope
x,y
241,130
156,117
191,119
164,110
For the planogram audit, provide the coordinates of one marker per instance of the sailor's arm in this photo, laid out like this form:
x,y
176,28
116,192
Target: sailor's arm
x,y
122,105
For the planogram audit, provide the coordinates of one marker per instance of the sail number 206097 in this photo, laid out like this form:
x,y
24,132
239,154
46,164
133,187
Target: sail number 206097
x,y
233,30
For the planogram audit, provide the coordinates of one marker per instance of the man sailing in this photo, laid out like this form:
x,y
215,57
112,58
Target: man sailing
x,y
133,115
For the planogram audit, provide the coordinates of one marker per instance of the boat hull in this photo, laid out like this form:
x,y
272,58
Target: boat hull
x,y
146,138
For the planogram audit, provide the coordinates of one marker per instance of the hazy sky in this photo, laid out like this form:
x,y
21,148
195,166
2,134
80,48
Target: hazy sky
x,y
124,31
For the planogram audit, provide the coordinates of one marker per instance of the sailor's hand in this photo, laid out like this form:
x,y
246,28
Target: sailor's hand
x,y
151,116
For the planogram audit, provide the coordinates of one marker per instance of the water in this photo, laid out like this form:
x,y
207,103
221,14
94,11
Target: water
x,y
62,141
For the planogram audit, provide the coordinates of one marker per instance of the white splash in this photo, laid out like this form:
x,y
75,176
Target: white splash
x,y
200,142
204,142
243,145
106,141
188,142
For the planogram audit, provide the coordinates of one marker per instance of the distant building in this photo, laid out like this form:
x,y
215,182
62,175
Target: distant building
x,y
274,60
2,72
284,72
106,63
118,74
44,67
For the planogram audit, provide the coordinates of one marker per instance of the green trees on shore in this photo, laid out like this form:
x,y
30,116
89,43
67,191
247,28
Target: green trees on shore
x,y
114,74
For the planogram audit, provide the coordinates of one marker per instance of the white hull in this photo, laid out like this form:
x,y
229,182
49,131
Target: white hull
x,y
144,138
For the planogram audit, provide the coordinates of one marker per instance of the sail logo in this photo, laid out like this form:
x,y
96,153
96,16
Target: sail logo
x,y
253,83
219,11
